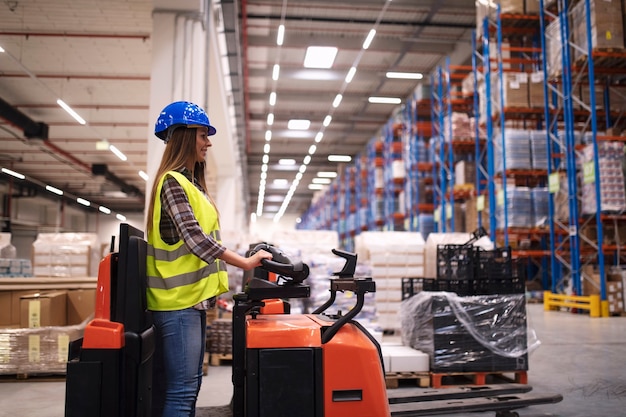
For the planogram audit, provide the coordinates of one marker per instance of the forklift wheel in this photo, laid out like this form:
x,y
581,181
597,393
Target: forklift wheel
x,y
507,413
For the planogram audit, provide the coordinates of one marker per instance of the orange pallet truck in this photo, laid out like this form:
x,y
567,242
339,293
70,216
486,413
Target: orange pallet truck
x,y
109,371
323,365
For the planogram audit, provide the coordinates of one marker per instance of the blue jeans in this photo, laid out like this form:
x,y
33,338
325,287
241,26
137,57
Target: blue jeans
x,y
178,356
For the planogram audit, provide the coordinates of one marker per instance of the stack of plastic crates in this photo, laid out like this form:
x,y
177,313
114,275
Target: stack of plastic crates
x,y
467,270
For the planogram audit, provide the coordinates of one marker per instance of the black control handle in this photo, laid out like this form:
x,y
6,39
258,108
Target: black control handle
x,y
281,264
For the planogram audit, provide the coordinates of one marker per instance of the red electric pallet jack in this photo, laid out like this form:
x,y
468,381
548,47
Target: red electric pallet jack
x,y
325,365
284,365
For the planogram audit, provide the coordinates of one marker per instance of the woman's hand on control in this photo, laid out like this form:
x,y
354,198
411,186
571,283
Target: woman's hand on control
x,y
255,260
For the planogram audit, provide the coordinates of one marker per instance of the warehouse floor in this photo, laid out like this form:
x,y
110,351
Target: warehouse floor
x,y
583,359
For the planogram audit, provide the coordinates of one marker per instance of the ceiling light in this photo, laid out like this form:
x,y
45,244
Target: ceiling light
x,y
337,100
105,210
280,182
118,153
143,175
84,202
13,173
405,75
272,98
327,174
318,137
71,112
327,120
312,149
298,124
281,35
266,148
268,135
350,75
384,100
286,161
1,49
275,72
263,176
264,168
120,217
302,168
266,158
299,175
320,56
339,158
316,187
270,119
369,39
321,180
306,160
54,190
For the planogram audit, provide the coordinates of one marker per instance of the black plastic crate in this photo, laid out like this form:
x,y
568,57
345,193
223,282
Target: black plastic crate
x,y
496,263
455,262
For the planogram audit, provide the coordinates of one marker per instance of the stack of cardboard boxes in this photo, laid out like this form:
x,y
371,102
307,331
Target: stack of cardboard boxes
x,y
36,328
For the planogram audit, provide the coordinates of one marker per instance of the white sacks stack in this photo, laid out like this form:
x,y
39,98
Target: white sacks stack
x,y
391,256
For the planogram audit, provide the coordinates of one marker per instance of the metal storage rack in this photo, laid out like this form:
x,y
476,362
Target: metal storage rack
x,y
580,118
498,64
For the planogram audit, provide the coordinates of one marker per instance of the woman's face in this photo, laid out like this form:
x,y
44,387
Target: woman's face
x,y
202,143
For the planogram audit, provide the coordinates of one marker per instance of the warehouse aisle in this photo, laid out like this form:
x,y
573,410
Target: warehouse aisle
x,y
581,358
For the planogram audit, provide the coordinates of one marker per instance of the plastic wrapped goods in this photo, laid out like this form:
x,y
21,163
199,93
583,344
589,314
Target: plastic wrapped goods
x,y
486,333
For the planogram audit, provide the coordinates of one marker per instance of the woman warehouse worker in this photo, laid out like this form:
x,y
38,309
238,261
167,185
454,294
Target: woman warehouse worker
x,y
185,267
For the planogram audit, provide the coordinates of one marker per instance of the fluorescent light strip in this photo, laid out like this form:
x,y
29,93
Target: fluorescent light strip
x,y
104,210
405,75
286,161
321,180
312,149
384,100
270,119
13,173
327,120
337,100
143,175
117,153
350,75
84,202
339,158
327,174
272,98
275,72
54,190
318,137
298,124
369,39
71,112
120,217
281,35
268,135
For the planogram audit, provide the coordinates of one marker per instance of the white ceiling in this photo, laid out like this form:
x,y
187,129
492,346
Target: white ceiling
x,y
96,55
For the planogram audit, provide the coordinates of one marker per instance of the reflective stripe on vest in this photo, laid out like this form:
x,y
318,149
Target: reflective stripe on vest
x,y
178,279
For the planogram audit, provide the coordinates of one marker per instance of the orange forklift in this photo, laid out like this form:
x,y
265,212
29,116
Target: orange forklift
x,y
284,365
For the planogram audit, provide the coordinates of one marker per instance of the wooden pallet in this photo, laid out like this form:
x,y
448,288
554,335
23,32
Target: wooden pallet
x,y
217,359
393,379
452,379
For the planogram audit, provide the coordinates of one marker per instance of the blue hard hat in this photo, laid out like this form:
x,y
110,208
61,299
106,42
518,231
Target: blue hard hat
x,y
181,113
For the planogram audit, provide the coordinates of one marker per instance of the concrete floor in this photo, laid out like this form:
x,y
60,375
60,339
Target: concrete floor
x,y
583,359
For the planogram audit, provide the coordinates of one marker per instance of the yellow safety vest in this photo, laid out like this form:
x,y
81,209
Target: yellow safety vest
x,y
178,279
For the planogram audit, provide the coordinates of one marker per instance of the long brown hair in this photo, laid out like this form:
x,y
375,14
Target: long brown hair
x,y
179,151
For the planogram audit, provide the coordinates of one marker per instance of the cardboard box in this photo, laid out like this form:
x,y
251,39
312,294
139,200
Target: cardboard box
x,y
16,296
5,308
81,305
43,309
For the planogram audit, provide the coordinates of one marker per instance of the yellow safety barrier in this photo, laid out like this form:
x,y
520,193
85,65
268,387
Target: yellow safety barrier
x,y
584,302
